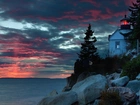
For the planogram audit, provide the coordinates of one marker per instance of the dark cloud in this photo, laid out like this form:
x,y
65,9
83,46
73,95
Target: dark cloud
x,y
43,37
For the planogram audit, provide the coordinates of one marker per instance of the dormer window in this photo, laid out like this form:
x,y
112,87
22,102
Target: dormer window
x,y
117,45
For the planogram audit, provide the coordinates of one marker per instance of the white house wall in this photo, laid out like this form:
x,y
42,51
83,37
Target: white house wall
x,y
117,51
117,37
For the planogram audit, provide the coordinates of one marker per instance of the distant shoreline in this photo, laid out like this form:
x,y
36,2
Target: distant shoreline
x,y
32,78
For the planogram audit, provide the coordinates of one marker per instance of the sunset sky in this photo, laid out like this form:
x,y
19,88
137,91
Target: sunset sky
x,y
41,38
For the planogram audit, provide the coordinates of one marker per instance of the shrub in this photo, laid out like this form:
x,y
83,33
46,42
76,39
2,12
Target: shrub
x,y
131,68
124,59
110,98
112,64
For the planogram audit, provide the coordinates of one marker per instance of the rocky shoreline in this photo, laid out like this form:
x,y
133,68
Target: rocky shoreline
x,y
87,90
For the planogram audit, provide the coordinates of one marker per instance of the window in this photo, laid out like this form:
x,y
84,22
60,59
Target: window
x,y
117,45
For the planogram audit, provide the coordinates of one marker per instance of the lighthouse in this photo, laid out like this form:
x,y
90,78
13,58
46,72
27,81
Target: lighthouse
x,y
118,40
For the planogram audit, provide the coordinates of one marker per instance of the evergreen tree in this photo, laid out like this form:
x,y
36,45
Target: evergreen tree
x,y
88,55
135,19
88,50
135,11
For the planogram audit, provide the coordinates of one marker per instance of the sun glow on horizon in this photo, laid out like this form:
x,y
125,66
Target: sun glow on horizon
x,y
15,71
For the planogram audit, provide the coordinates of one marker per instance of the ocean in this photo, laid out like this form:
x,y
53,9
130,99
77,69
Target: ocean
x,y
27,91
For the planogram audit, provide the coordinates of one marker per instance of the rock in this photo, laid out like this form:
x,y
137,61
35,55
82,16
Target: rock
x,y
112,77
53,93
76,103
66,88
134,51
138,77
134,56
138,97
126,94
119,70
96,102
120,81
65,98
90,88
128,53
134,85
71,80
83,76
45,101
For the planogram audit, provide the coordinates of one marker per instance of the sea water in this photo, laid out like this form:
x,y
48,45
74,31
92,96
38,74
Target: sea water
x,y
27,91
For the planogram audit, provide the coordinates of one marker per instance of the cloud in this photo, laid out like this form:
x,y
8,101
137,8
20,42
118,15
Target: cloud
x,y
129,2
96,4
42,38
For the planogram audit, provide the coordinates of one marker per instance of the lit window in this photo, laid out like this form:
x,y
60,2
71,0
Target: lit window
x,y
117,45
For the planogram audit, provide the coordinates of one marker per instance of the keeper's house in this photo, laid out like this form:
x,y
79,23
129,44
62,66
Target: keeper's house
x,y
118,40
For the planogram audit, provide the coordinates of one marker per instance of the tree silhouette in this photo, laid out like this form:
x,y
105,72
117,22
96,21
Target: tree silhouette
x,y
135,11
88,54
88,50
135,19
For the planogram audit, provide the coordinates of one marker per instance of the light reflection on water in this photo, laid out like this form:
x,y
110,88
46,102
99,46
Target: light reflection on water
x,y
27,91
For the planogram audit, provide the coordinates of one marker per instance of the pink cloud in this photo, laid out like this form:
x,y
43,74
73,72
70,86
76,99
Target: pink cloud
x,y
129,2
92,2
120,14
94,13
73,17
115,23
22,59
48,19
68,15
15,71
115,3
108,11
63,74
69,12
97,15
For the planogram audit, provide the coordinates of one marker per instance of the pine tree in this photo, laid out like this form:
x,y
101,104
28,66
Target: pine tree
x,y
135,19
88,54
88,50
135,11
